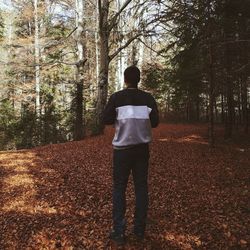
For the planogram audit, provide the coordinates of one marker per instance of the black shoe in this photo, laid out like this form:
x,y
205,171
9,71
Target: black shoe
x,y
119,239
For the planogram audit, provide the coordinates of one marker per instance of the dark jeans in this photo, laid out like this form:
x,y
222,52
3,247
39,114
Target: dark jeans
x,y
125,160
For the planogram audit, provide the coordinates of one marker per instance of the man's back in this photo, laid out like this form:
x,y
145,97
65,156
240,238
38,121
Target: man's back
x,y
133,112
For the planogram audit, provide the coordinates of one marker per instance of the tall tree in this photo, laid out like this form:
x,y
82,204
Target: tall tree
x,y
107,25
213,30
37,57
81,60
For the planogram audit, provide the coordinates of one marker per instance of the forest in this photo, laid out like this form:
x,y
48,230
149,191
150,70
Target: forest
x,y
60,60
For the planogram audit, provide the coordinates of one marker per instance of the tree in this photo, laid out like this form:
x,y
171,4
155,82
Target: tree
x,y
81,60
37,57
208,31
107,25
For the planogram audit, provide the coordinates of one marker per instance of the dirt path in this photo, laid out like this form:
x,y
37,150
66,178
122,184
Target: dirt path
x,y
59,196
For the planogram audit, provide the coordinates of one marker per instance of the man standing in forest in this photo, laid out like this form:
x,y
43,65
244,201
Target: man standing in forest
x,y
133,112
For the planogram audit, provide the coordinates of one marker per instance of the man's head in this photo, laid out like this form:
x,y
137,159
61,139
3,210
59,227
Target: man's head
x,y
132,76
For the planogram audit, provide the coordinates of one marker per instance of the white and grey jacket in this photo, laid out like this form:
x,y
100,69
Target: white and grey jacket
x,y
134,112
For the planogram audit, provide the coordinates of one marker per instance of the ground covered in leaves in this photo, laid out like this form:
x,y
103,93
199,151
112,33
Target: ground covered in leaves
x,y
59,196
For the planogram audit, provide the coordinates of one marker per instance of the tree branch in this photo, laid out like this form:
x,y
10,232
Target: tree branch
x,y
113,20
48,45
157,52
129,41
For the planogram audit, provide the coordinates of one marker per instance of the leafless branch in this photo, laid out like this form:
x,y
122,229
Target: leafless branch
x,y
113,20
150,47
129,41
50,44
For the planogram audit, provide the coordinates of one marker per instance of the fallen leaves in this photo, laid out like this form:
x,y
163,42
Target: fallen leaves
x,y
60,196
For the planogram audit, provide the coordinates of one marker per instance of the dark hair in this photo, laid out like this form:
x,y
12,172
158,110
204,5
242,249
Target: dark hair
x,y
132,76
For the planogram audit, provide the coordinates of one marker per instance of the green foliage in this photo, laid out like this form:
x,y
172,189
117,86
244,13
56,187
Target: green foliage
x,y
7,114
153,77
57,31
90,122
27,129
156,80
18,131
52,121
8,122
186,75
187,71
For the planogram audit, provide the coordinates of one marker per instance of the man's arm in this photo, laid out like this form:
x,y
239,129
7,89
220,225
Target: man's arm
x,y
154,114
109,114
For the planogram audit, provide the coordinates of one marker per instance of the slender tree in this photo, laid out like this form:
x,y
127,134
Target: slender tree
x,y
107,25
37,58
81,60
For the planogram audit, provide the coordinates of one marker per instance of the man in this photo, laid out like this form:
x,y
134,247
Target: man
x,y
133,112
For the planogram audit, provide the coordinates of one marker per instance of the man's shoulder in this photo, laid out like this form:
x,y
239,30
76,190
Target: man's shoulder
x,y
135,97
134,91
146,93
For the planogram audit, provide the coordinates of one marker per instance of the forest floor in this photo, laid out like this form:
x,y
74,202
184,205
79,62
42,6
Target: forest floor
x,y
59,196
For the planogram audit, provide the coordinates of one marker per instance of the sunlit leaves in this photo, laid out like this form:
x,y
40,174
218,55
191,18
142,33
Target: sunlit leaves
x,y
199,198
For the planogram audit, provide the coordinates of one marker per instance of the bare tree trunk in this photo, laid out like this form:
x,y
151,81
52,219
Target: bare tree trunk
x,y
122,58
244,34
141,54
79,122
37,59
106,25
215,110
102,91
230,105
97,49
197,109
9,29
239,103
133,55
102,88
211,107
211,79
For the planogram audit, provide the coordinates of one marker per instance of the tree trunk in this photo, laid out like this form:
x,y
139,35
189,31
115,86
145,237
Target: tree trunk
x,y
37,59
216,111
230,104
102,90
197,109
245,76
79,122
187,111
141,54
239,103
105,27
222,109
96,53
245,112
133,55
211,96
78,133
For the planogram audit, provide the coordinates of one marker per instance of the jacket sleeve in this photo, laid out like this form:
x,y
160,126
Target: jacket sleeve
x,y
154,114
109,114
